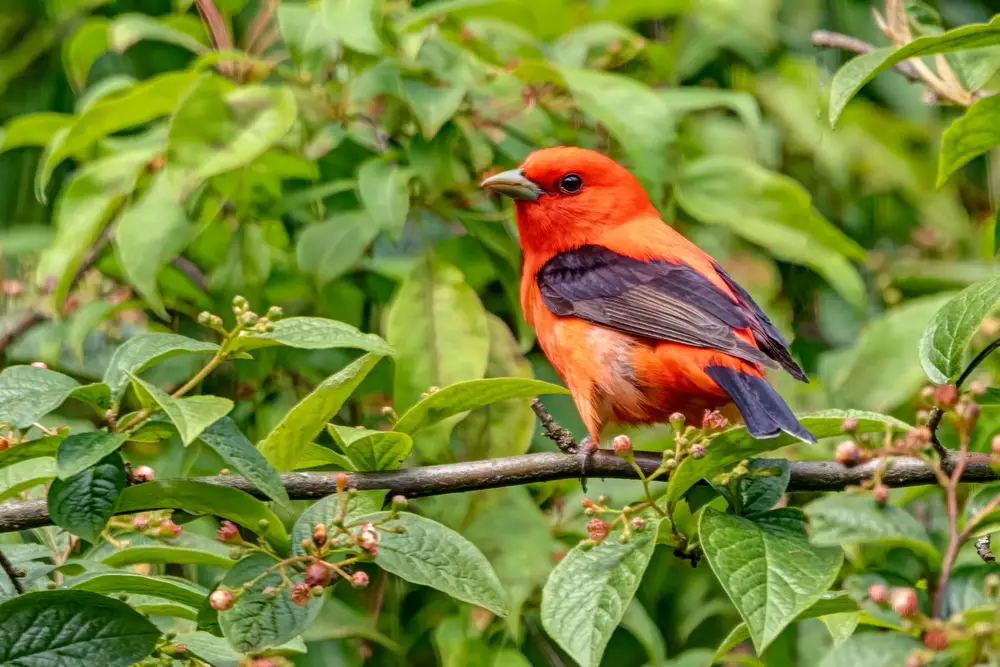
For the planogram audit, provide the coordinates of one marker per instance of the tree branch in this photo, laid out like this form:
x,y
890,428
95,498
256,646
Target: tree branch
x,y
529,469
854,45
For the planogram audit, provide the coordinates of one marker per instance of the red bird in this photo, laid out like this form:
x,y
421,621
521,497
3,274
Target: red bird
x,y
639,322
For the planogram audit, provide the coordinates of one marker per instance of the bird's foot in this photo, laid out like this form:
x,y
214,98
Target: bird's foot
x,y
586,450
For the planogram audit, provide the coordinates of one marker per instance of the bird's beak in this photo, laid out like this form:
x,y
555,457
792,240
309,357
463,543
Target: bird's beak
x,y
513,184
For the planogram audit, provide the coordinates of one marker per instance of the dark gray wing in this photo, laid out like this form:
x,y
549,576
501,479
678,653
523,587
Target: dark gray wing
x,y
653,299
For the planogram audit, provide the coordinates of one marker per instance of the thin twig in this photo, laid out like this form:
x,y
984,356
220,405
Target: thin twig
x,y
530,469
27,321
553,431
13,573
837,40
191,270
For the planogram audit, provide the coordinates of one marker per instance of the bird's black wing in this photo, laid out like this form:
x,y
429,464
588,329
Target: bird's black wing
x,y
654,299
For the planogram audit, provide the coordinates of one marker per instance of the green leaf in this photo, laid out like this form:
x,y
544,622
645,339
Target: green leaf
x,y
774,212
588,591
684,100
852,519
144,350
873,373
26,475
33,129
257,621
287,441
152,232
943,345
736,444
72,629
464,396
166,554
168,588
977,131
28,393
82,48
190,415
82,450
979,498
872,649
331,248
32,449
859,71
315,456
154,97
372,450
431,554
641,626
829,604
759,494
433,105
204,498
225,438
768,567
129,29
83,503
355,22
635,115
312,333
437,325
382,188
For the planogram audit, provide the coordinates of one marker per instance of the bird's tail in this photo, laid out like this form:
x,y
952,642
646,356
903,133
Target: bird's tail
x,y
766,414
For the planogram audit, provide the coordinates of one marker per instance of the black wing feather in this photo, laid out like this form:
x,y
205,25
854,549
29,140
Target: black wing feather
x,y
654,299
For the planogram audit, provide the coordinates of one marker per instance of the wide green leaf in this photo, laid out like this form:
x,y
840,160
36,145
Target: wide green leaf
x,y
166,554
33,449
464,396
259,620
28,393
431,554
872,649
588,591
72,629
433,105
32,129
355,22
129,29
774,212
84,207
155,97
296,431
758,494
438,327
331,248
943,345
190,415
21,477
736,444
312,333
168,588
85,502
855,74
977,131
383,192
854,519
226,439
144,350
204,498
768,567
372,450
82,450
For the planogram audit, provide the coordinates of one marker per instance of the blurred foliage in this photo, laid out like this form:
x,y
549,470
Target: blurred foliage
x,y
324,157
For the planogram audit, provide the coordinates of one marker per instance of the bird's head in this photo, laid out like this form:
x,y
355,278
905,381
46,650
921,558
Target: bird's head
x,y
565,196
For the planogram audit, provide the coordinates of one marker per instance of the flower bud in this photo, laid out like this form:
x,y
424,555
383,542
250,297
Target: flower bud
x,y
140,522
849,425
881,494
848,453
623,446
341,482
878,593
240,302
995,444
969,412
597,529
263,524
274,313
914,660
319,534
359,579
935,640
270,591
638,523
399,503
40,364
917,438
168,528
317,574
904,602
143,474
228,532
677,422
945,395
713,420
697,451
301,594
205,318
221,599
368,539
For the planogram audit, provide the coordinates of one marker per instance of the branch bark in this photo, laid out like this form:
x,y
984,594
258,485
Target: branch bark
x,y
529,469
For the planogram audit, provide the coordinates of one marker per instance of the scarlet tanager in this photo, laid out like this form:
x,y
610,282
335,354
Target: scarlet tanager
x,y
638,321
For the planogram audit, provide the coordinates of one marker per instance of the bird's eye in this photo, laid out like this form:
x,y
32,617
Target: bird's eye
x,y
570,183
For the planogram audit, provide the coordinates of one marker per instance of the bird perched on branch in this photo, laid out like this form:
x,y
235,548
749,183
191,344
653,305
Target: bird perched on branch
x,y
638,321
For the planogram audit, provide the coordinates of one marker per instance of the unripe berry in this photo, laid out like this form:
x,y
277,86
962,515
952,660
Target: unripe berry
x,y
143,474
848,453
359,579
319,534
878,593
677,422
317,574
399,503
935,640
341,482
881,494
221,599
914,660
904,602
168,528
597,529
945,395
849,425
995,444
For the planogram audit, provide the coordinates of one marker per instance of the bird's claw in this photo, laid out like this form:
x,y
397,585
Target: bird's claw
x,y
585,451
